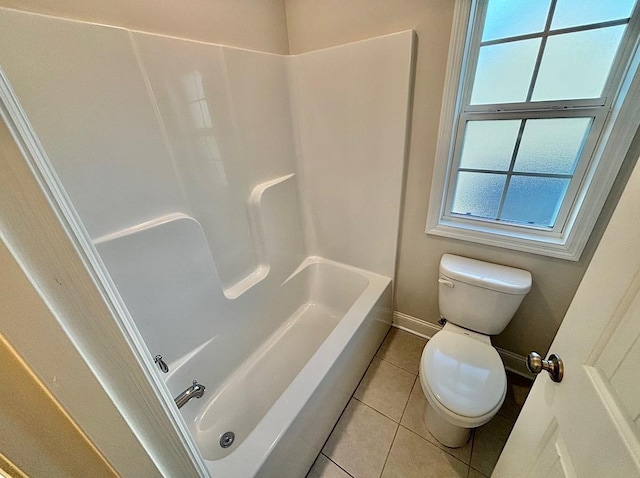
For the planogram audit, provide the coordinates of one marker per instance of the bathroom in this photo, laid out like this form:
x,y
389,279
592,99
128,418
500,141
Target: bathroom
x,y
297,27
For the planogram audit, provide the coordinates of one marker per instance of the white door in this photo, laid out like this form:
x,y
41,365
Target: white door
x,y
588,425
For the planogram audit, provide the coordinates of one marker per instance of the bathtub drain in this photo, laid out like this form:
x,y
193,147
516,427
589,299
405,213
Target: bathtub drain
x,y
226,440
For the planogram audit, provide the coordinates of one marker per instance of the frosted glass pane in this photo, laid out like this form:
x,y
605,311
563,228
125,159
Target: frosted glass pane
x,y
504,72
551,145
571,13
576,65
535,201
478,194
506,18
489,144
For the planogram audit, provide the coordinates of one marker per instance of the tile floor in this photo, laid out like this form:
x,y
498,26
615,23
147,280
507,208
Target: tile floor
x,y
381,432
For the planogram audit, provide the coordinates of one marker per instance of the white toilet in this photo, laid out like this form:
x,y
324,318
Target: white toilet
x,y
461,373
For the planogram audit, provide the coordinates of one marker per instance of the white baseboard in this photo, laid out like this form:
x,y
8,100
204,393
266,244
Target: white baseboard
x,y
512,361
414,325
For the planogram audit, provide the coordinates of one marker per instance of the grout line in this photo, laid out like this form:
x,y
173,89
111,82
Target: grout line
x,y
436,446
397,366
473,445
337,465
394,434
439,446
381,413
445,449
336,424
476,470
352,397
386,458
377,411
388,361
408,398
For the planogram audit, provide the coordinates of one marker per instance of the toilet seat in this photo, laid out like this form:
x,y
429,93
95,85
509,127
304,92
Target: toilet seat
x,y
463,378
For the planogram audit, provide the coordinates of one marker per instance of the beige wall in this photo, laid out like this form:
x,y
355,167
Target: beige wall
x,y
35,434
253,24
317,24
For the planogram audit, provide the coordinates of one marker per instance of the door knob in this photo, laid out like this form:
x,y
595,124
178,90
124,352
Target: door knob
x,y
555,367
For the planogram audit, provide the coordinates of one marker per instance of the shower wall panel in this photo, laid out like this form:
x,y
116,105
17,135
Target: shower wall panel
x,y
81,87
222,110
352,105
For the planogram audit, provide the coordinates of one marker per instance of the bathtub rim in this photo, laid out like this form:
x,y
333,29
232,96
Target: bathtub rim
x,y
328,284
254,451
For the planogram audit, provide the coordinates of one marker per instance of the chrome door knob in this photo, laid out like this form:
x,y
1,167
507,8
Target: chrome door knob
x,y
555,367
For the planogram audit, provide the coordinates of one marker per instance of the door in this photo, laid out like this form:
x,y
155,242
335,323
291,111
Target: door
x,y
588,425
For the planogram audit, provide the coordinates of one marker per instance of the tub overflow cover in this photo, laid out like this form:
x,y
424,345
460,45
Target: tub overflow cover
x,y
226,440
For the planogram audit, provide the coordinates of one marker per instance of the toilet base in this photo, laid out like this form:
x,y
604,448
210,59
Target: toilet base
x,y
446,433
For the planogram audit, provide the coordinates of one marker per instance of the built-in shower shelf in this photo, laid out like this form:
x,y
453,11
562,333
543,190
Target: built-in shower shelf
x,y
158,221
257,224
261,220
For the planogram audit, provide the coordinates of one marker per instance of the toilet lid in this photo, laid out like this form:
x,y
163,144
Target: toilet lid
x,y
465,375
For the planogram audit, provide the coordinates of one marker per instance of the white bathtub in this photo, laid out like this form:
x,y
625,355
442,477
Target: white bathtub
x,y
283,401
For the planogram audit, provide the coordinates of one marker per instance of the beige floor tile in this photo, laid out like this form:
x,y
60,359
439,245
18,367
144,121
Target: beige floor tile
x,y
517,390
325,468
413,419
402,349
386,388
361,440
476,474
488,443
414,457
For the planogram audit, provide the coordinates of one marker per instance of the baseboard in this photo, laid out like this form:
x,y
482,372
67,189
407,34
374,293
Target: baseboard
x,y
414,325
515,363
512,361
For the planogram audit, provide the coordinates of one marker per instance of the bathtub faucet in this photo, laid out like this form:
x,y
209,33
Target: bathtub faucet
x,y
194,391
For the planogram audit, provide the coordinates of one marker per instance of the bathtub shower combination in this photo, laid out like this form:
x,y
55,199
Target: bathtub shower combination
x,y
246,206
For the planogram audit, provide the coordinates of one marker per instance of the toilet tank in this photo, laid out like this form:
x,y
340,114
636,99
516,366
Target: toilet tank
x,y
478,295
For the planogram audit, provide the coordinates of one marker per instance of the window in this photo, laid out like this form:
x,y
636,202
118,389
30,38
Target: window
x,y
524,159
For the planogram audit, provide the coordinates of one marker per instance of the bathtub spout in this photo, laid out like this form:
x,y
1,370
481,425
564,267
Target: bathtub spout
x,y
194,391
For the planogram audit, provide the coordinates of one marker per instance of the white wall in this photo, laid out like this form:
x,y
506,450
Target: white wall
x,y
81,87
226,117
352,117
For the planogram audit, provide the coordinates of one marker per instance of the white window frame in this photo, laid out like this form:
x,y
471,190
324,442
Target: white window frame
x,y
566,240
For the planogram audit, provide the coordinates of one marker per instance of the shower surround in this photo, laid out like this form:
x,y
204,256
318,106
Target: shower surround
x,y
246,206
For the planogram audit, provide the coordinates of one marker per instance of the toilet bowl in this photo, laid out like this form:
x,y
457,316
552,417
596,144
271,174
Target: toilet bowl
x,y
461,373
464,382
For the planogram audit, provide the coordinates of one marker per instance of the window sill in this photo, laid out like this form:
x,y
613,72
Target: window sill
x,y
567,247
